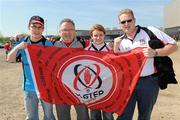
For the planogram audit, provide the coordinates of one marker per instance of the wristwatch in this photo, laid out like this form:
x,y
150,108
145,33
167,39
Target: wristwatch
x,y
155,53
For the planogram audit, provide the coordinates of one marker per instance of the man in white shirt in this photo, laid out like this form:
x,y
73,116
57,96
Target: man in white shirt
x,y
147,88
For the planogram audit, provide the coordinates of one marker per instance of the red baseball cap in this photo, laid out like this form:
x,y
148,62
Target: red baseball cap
x,y
36,19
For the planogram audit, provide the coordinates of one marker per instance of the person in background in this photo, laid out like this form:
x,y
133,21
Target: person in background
x,y
68,39
7,48
31,100
97,33
147,88
50,38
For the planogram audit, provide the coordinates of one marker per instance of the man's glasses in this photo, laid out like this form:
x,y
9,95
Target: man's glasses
x,y
126,21
35,27
66,30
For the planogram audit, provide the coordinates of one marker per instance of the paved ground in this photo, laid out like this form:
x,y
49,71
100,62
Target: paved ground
x,y
11,95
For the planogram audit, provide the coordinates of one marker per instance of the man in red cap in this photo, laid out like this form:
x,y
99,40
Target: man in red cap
x,y
36,28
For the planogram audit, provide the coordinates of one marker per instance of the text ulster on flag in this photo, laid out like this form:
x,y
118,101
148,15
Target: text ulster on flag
x,y
100,80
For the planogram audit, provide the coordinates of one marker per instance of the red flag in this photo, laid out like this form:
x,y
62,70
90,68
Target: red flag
x,y
100,80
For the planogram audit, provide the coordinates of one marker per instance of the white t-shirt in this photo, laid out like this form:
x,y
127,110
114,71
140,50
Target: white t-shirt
x,y
141,40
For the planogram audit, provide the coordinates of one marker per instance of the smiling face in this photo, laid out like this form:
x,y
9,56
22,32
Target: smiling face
x,y
98,37
36,31
67,32
127,23
97,33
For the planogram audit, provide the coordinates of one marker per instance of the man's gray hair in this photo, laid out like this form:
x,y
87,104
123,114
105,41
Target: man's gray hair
x,y
67,20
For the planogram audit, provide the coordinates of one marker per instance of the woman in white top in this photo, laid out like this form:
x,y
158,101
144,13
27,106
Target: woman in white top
x,y
97,33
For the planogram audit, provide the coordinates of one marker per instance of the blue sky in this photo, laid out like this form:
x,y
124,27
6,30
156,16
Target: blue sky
x,y
15,14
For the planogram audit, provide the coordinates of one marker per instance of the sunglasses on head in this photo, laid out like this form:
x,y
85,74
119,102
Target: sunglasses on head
x,y
128,21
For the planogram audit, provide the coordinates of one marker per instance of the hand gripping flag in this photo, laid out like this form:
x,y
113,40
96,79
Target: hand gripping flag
x,y
99,80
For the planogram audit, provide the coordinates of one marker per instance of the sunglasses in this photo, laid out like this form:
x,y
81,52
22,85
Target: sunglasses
x,y
126,21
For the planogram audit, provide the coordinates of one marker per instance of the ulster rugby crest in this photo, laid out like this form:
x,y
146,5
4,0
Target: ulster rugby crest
x,y
92,78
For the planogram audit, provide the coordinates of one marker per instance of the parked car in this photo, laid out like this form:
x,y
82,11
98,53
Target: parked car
x,y
1,45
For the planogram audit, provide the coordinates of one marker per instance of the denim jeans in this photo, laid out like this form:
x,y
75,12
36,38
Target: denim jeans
x,y
145,94
96,115
63,112
31,107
